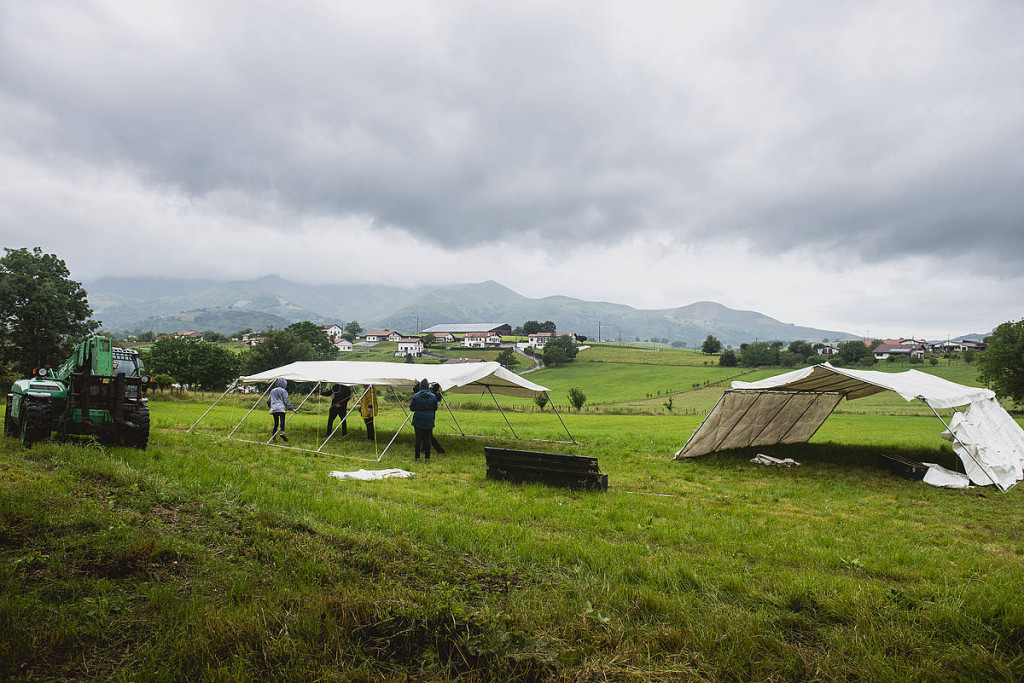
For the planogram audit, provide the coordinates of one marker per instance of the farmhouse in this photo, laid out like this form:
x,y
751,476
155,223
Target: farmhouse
x,y
481,340
343,345
885,351
539,339
382,335
333,331
410,346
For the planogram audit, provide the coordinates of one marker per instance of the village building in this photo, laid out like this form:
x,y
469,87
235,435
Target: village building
x,y
343,345
481,340
410,346
333,331
539,339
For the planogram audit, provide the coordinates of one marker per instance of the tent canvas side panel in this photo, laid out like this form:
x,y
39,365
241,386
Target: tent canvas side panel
x,y
750,418
798,419
716,426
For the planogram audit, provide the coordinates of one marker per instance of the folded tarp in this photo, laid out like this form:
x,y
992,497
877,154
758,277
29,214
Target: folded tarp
x,y
464,378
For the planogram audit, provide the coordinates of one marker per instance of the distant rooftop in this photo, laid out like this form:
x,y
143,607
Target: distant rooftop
x,y
463,328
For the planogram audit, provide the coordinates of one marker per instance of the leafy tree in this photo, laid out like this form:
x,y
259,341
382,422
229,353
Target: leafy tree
x,y
353,330
508,359
854,351
728,359
711,345
162,381
548,326
531,327
316,337
193,363
428,339
801,349
758,354
560,350
577,398
43,312
1002,363
541,401
211,336
147,336
279,347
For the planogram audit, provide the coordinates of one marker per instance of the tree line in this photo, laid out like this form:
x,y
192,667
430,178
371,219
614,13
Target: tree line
x,y
44,314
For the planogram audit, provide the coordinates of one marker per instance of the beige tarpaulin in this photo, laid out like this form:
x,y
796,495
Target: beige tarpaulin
x,y
789,408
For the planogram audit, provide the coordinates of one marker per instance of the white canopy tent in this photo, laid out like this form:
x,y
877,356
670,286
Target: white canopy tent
x,y
789,408
461,378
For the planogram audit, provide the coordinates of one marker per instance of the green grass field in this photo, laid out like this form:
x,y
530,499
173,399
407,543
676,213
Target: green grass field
x,y
203,558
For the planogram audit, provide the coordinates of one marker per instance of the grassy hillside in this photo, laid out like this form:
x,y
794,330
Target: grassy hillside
x,y
207,559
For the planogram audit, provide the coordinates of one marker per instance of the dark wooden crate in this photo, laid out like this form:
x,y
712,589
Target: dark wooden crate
x,y
554,469
903,467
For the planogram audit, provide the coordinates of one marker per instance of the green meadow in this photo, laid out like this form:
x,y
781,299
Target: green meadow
x,y
207,558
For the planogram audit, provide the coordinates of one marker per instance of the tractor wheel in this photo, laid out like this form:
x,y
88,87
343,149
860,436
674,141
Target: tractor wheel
x,y
138,436
35,422
10,429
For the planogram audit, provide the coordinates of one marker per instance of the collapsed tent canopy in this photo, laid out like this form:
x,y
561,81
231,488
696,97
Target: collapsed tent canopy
x,y
789,408
460,378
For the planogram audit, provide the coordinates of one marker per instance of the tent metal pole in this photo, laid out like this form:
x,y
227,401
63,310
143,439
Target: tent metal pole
x,y
503,413
397,432
289,417
446,405
966,450
555,411
189,430
265,392
401,404
343,421
305,450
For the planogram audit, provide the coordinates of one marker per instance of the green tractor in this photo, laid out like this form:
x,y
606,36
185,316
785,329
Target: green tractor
x,y
99,391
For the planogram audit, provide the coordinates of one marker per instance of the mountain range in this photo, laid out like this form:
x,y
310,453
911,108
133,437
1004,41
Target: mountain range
x,y
135,305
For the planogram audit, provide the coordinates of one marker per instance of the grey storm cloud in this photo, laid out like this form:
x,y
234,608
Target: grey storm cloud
x,y
883,129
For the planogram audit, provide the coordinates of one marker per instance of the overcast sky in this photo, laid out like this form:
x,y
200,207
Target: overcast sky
x,y
852,166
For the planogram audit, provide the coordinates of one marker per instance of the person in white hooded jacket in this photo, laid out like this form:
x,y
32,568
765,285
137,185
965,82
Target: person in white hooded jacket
x,y
278,402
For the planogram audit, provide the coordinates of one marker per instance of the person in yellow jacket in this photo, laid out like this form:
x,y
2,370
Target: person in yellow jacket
x,y
368,409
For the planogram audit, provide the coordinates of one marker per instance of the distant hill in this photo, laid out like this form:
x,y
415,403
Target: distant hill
x,y
133,305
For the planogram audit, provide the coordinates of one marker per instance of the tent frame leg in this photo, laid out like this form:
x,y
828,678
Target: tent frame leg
x,y
343,421
446,405
262,396
189,430
397,432
516,436
572,439
965,449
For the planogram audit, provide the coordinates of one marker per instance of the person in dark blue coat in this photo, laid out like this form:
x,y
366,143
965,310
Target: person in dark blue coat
x,y
424,408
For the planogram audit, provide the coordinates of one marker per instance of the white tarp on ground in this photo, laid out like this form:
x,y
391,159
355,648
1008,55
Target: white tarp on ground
x,y
371,475
789,408
459,378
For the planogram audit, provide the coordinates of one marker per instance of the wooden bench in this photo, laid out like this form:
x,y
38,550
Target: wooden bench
x,y
554,469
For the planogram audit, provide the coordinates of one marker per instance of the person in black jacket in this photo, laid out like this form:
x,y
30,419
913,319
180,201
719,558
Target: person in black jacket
x,y
423,407
340,396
